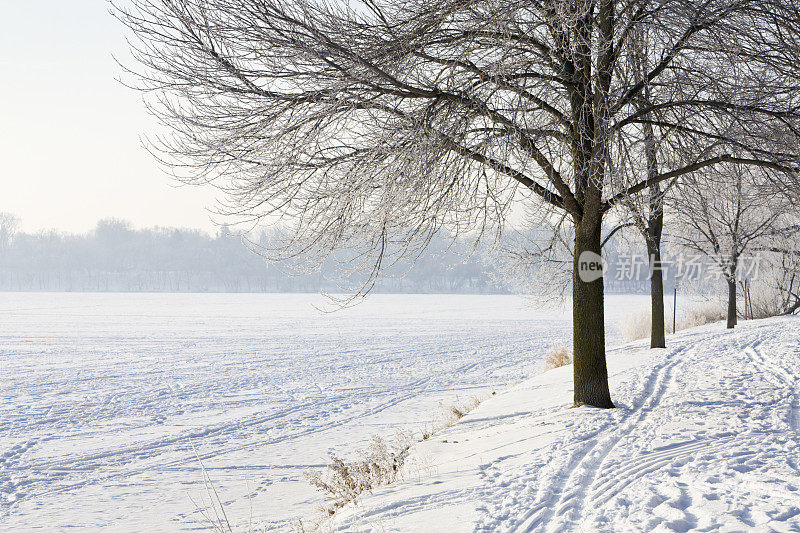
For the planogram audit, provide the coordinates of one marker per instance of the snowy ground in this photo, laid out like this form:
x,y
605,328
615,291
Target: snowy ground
x,y
104,398
705,438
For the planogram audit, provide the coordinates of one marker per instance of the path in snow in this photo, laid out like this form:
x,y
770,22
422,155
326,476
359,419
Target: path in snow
x,y
705,437
104,398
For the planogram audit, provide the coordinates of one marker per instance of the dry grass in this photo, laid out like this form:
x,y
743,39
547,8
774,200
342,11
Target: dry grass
x,y
456,412
380,464
702,314
767,300
212,508
637,325
558,357
344,482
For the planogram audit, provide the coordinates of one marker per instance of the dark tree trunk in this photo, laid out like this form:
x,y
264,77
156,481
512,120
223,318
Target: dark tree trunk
x,y
589,347
657,335
655,226
653,238
790,309
731,303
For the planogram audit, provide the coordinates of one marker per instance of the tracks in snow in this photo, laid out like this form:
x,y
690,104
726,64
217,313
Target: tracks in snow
x,y
592,475
586,467
125,455
625,472
780,377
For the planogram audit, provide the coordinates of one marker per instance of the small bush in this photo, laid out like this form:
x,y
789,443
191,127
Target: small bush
x,y
380,464
766,308
767,300
457,413
558,357
344,482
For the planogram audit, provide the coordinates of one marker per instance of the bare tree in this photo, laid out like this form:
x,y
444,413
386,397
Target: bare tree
x,y
646,213
9,224
639,154
372,125
777,289
725,215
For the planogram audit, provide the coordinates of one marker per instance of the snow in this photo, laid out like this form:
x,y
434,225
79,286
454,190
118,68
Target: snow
x,y
705,437
106,398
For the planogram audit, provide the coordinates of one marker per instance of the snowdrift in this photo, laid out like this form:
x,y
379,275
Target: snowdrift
x,y
705,437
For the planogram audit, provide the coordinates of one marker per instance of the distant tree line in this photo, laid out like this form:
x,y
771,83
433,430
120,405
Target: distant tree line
x,y
117,257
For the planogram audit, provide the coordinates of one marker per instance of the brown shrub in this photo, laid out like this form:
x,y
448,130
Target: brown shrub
x,y
558,357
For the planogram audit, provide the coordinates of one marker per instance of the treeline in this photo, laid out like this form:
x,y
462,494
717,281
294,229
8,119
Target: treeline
x,y
116,257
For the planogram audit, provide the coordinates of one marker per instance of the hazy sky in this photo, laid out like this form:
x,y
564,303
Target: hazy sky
x,y
70,148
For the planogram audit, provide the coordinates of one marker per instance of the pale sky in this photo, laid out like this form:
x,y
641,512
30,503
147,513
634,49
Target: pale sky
x,y
70,134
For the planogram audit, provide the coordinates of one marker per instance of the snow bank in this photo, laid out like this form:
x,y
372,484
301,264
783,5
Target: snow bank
x,y
705,437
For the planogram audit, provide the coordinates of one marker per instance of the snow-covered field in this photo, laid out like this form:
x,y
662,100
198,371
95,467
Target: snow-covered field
x,y
706,437
106,398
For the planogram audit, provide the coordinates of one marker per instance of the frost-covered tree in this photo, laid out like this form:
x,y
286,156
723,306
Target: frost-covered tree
x,y
777,289
642,154
8,228
647,215
725,215
374,124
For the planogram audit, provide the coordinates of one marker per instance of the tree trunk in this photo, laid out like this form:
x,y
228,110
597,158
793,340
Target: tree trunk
x,y
731,303
655,227
653,238
657,328
589,348
790,309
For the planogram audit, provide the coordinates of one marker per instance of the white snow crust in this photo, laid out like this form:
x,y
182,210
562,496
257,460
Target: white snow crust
x,y
705,437
106,398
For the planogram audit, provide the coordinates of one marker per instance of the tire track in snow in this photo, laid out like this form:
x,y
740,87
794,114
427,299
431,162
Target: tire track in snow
x,y
626,472
68,467
324,427
780,377
794,416
222,429
199,432
99,461
138,380
585,466
9,487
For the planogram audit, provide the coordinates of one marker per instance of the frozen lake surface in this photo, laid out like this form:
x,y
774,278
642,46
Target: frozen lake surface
x,y
107,398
